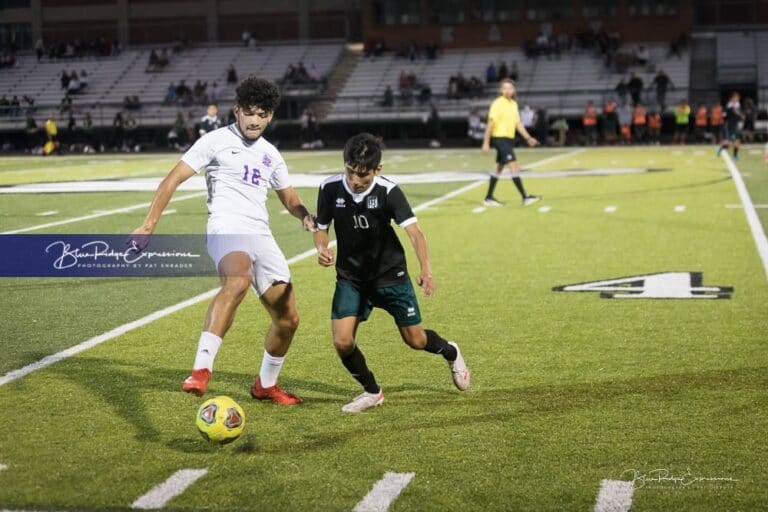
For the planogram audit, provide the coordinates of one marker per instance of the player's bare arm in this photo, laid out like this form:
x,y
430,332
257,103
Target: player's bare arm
x,y
419,242
324,253
295,207
180,173
527,136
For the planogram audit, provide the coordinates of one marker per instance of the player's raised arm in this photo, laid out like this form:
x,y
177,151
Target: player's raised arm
x,y
178,175
419,242
295,207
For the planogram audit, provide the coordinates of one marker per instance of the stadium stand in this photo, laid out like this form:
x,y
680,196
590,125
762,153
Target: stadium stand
x,y
563,86
113,78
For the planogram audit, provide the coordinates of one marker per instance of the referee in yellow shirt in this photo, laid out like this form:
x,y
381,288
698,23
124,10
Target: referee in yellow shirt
x,y
503,122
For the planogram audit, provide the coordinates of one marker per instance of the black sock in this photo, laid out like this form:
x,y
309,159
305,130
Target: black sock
x,y
437,345
491,187
355,364
519,184
736,151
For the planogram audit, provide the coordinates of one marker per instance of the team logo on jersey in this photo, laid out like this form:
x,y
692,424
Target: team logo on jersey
x,y
373,202
662,285
340,202
266,160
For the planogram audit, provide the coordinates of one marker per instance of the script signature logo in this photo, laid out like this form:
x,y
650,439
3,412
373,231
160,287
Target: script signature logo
x,y
663,476
99,249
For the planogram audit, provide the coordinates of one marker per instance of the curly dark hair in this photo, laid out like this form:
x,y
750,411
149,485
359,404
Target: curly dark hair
x,y
257,92
363,151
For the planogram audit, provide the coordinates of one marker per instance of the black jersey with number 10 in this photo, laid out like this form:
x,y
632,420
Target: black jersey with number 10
x,y
369,252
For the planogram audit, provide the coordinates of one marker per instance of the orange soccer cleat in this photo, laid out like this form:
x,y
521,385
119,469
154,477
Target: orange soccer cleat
x,y
197,383
275,393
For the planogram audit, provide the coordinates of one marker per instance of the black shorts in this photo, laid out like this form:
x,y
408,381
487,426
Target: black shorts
x,y
399,300
505,149
681,128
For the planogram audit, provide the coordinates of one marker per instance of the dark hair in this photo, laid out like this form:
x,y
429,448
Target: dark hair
x,y
363,151
257,92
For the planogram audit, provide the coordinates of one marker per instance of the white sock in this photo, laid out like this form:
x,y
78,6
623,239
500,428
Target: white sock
x,y
270,369
207,348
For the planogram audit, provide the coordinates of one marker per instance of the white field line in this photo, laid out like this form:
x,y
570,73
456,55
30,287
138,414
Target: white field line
x,y
609,209
614,496
384,492
3,467
47,213
176,484
742,206
544,209
680,208
122,329
749,210
97,215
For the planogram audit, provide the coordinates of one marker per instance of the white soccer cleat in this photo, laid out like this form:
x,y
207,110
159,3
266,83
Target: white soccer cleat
x,y
364,401
529,200
459,370
492,202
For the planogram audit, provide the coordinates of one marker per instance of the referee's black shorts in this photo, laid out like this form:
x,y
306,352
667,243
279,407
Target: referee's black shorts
x,y
505,149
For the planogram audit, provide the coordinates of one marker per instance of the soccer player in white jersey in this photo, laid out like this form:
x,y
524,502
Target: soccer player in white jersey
x,y
240,165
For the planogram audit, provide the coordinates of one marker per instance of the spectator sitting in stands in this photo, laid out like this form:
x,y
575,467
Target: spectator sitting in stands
x,y
491,75
4,106
513,71
183,93
64,80
231,75
431,51
15,106
503,71
425,94
389,97
199,92
66,104
215,92
8,60
152,65
210,121
83,79
74,86
170,94
635,86
622,90
131,103
302,75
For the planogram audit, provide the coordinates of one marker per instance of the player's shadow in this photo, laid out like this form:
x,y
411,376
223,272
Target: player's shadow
x,y
505,405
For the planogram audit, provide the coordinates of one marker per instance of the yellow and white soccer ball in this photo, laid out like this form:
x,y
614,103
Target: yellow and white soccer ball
x,y
220,420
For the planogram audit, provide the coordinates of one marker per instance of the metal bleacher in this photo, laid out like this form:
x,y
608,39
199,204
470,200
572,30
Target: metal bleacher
x,y
562,86
111,79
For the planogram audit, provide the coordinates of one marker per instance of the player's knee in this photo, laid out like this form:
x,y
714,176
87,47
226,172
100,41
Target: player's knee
x,y
289,322
343,344
416,339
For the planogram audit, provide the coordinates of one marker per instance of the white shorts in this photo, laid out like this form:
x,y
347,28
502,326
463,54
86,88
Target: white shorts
x,y
268,261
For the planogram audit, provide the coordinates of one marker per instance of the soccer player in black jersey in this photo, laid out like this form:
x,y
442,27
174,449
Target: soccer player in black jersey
x,y
370,267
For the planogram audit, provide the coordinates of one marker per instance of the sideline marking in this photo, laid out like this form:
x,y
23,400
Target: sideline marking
x,y
610,209
135,324
47,213
749,210
97,215
176,484
384,492
544,209
614,496
680,208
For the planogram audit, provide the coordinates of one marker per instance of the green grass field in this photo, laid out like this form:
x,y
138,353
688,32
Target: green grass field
x,y
568,389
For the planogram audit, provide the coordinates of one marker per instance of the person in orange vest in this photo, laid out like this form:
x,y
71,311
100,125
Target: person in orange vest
x,y
716,121
610,122
625,122
639,122
590,124
682,119
701,121
654,127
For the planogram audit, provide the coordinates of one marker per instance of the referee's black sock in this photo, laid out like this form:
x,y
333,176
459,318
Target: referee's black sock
x,y
437,345
519,184
736,151
491,187
354,362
